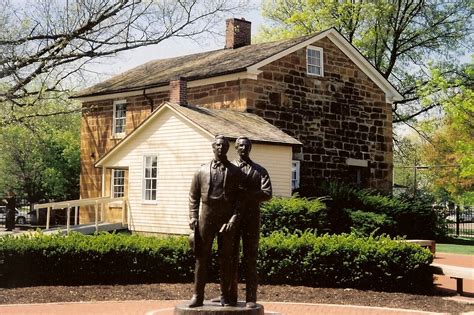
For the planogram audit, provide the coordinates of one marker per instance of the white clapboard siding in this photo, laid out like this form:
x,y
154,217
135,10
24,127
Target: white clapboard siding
x,y
181,148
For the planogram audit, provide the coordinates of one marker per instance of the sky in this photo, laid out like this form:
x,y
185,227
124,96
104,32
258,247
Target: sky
x,y
173,47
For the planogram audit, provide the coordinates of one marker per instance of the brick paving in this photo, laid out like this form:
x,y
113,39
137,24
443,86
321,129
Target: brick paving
x,y
446,283
166,308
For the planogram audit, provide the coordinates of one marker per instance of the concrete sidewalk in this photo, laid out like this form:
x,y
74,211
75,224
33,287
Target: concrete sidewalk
x,y
167,307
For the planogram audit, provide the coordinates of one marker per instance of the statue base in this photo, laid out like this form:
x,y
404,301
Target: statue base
x,y
210,308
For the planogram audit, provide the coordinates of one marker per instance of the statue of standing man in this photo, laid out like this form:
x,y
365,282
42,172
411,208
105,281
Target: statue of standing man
x,y
216,185
258,188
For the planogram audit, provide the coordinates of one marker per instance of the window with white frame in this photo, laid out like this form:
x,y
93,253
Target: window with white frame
x,y
118,183
119,119
150,177
295,175
314,61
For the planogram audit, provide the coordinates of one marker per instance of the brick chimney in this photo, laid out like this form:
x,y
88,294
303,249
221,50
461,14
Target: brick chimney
x,y
238,33
178,91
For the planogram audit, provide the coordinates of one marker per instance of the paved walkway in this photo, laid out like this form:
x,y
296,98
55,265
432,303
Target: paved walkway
x,y
446,283
166,308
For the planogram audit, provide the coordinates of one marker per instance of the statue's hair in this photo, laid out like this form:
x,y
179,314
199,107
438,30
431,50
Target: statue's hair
x,y
218,137
242,138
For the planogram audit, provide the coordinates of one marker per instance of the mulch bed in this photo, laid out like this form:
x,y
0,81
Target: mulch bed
x,y
434,302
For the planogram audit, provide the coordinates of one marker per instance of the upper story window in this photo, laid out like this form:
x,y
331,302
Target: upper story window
x,y
118,183
150,177
119,119
314,61
295,175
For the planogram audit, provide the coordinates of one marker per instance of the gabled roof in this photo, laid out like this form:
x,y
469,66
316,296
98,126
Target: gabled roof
x,y
223,62
192,67
231,124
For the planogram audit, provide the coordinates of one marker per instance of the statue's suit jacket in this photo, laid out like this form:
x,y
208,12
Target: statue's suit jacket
x,y
257,183
200,187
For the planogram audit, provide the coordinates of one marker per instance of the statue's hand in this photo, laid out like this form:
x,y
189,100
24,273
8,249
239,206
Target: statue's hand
x,y
193,223
230,227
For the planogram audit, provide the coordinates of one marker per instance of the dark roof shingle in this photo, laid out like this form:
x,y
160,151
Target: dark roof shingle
x,y
192,67
233,124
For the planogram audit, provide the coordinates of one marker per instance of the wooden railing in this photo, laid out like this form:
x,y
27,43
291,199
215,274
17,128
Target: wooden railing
x,y
69,204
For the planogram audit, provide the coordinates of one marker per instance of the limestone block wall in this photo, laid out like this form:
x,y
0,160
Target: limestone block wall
x,y
338,116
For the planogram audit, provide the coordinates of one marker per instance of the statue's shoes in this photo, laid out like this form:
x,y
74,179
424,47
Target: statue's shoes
x,y
196,301
216,300
251,305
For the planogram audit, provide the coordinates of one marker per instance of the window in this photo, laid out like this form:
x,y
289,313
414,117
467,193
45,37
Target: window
x,y
118,183
359,172
150,177
295,175
314,61
119,119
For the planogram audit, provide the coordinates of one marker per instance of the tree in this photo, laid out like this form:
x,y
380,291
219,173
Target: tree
x,y
399,37
40,159
451,148
45,45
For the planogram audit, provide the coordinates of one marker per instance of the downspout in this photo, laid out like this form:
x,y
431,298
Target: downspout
x,y
149,99
103,182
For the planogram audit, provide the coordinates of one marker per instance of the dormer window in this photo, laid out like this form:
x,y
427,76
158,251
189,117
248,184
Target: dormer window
x,y
314,61
119,119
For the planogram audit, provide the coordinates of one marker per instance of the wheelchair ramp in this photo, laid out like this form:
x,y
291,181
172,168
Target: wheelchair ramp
x,y
87,228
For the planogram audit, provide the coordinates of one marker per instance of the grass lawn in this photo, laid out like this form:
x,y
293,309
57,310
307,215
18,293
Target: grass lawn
x,y
463,246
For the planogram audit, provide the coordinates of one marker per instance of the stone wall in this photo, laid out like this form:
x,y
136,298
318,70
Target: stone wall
x,y
341,115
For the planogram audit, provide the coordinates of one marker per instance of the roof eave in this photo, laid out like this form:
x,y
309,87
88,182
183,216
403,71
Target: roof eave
x,y
192,81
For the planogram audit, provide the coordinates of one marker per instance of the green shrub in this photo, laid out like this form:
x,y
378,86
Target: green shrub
x,y
344,261
297,259
103,258
368,223
412,217
294,214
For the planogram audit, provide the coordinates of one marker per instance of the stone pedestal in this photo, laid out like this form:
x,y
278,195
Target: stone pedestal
x,y
210,308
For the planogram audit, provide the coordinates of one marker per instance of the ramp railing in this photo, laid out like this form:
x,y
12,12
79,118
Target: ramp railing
x,y
97,203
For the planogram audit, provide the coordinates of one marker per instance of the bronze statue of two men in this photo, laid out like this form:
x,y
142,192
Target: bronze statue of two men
x,y
230,194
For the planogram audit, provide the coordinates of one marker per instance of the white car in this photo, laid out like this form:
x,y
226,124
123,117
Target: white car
x,y
19,219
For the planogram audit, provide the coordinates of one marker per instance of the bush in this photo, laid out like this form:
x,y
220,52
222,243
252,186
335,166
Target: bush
x,y
103,258
344,261
370,223
410,217
297,259
294,214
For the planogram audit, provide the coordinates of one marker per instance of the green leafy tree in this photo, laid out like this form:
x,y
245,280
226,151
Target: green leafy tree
x,y
451,148
399,37
40,159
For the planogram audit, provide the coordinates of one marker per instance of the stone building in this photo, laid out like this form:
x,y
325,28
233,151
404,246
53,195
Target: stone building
x,y
318,89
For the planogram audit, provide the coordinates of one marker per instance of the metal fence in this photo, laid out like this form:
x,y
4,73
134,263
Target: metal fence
x,y
461,221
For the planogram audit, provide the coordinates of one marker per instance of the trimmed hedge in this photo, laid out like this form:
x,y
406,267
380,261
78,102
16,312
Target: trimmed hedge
x,y
345,260
299,259
103,258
